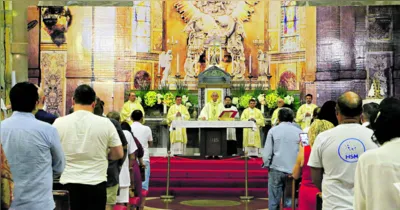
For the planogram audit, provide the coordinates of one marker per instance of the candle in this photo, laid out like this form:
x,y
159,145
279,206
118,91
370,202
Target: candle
x,y
262,108
177,64
269,61
159,67
233,62
13,79
165,108
250,65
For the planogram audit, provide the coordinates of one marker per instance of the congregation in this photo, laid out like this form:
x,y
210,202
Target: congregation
x,y
344,150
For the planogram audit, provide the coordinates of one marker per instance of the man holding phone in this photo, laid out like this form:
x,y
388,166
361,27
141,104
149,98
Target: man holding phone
x,y
279,155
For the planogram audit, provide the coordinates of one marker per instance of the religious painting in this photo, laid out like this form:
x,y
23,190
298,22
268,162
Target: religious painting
x,y
379,74
210,91
380,28
33,37
55,23
53,65
287,74
142,79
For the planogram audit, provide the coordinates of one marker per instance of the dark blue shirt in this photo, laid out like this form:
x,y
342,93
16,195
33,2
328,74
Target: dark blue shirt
x,y
45,116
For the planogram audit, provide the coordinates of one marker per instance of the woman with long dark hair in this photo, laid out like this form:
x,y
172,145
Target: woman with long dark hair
x,y
377,177
135,164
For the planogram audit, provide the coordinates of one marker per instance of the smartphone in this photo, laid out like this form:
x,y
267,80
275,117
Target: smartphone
x,y
304,139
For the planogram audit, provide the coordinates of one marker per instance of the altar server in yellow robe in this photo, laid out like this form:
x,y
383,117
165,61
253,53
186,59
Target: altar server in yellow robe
x,y
213,109
305,112
131,105
251,137
178,137
274,118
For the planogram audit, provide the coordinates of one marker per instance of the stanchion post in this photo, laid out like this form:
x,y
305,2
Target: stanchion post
x,y
168,197
246,198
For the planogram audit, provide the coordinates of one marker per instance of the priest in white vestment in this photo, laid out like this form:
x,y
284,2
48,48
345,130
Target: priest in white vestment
x,y
178,137
305,112
212,110
131,105
231,132
251,137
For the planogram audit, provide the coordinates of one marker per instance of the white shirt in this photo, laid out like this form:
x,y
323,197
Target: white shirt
x,y
377,172
144,135
231,132
337,151
124,177
85,139
365,124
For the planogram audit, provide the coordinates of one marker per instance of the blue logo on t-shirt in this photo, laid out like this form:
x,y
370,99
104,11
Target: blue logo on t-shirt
x,y
351,149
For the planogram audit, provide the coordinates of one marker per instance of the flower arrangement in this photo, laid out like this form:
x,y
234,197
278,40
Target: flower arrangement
x,y
235,101
160,98
272,99
289,99
261,99
169,99
150,98
244,100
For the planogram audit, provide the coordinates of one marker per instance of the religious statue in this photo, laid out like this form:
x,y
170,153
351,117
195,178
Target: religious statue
x,y
379,86
165,61
190,66
261,63
208,18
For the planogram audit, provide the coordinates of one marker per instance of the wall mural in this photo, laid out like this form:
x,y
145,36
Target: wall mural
x,y
154,43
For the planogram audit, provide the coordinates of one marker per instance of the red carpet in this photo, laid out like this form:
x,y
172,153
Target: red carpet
x,y
195,177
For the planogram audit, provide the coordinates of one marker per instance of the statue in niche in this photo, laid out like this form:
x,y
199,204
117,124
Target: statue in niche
x,y
207,18
165,62
379,86
261,63
190,67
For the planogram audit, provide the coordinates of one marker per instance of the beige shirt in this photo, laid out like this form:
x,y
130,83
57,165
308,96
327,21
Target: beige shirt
x,y
377,178
85,139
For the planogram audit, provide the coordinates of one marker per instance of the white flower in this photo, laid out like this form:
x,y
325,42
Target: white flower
x,y
139,99
188,104
261,99
288,100
235,100
185,99
159,98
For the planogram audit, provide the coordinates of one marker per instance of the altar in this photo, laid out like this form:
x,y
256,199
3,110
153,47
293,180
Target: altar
x,y
212,134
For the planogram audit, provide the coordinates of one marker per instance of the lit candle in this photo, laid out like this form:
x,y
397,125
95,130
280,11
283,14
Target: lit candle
x,y
269,62
159,67
177,64
165,108
250,65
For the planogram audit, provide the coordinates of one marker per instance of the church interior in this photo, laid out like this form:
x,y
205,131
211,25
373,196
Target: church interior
x,y
261,49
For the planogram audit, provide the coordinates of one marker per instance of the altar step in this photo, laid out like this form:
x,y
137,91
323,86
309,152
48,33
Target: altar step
x,y
199,177
208,192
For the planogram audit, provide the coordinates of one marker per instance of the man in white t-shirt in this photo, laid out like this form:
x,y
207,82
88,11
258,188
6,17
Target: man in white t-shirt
x,y
144,135
336,151
88,142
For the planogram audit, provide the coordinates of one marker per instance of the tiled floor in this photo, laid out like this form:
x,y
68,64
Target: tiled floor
x,y
202,203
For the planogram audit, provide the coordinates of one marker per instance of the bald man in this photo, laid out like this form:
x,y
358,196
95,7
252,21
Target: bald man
x,y
212,109
274,118
41,114
335,153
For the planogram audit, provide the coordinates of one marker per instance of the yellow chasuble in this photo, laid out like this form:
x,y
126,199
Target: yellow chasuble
x,y
127,110
301,118
211,111
179,134
251,138
274,118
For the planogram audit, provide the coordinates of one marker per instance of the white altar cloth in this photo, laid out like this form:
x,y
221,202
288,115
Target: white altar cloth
x,y
212,124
